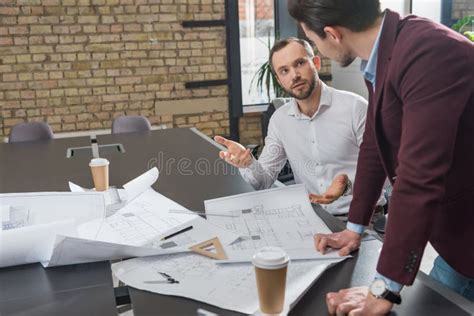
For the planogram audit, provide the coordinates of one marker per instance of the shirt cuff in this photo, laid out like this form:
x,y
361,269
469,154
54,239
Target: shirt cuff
x,y
391,285
253,166
251,173
356,228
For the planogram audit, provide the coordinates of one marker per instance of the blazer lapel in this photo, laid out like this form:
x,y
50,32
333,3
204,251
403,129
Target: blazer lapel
x,y
387,41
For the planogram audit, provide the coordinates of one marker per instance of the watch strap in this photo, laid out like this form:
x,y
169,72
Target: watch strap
x,y
391,297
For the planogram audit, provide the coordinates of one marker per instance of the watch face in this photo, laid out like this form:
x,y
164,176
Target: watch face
x,y
377,288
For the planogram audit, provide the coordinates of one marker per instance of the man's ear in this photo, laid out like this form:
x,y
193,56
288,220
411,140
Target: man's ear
x,y
317,62
278,79
333,33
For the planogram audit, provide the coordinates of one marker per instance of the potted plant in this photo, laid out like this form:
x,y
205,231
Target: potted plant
x,y
465,26
264,77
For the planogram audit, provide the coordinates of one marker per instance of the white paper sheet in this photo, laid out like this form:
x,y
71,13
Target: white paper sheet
x,y
34,220
140,184
32,243
145,220
231,286
59,228
28,209
4,214
116,198
70,250
281,217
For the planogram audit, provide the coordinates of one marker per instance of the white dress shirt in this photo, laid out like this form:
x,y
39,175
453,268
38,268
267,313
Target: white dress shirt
x,y
318,147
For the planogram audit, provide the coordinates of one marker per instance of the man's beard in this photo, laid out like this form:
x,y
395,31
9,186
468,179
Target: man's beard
x,y
304,94
346,60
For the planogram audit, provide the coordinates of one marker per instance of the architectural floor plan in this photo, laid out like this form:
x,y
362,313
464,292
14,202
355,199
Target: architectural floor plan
x,y
280,217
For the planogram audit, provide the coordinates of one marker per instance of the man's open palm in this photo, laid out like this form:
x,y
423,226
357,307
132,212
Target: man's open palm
x,y
236,154
335,190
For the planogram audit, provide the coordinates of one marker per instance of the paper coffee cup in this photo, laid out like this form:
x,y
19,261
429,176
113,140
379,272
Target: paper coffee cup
x,y
100,173
271,264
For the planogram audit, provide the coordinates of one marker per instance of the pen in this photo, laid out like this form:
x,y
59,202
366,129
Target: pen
x,y
177,233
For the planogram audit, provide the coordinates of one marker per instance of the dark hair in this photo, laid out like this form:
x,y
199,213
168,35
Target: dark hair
x,y
356,15
284,42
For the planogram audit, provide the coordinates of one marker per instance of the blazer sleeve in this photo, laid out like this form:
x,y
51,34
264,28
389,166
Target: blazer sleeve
x,y
435,83
370,175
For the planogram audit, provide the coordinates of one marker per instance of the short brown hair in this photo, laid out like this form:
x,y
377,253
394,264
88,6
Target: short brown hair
x,y
283,43
356,15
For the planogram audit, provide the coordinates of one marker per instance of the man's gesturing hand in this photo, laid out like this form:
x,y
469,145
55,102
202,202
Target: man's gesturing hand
x,y
335,190
236,154
347,241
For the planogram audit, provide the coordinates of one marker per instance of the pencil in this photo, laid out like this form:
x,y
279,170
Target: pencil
x,y
177,233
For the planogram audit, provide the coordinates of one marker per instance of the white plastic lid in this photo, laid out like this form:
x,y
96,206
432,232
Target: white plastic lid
x,y
98,162
270,258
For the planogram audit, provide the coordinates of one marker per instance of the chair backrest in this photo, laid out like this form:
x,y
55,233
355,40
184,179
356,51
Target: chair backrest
x,y
130,124
277,102
30,131
272,107
286,174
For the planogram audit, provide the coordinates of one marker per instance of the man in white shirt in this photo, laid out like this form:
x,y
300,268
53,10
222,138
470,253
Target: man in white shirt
x,y
319,132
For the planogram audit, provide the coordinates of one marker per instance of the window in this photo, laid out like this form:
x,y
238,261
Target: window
x,y
257,34
426,8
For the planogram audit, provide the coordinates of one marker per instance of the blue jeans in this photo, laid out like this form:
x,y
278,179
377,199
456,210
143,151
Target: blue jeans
x,y
447,276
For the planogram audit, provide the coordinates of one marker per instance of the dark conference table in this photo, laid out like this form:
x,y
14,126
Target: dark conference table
x,y
190,172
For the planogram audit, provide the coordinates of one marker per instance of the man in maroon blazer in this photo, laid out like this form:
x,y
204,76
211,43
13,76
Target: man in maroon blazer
x,y
419,133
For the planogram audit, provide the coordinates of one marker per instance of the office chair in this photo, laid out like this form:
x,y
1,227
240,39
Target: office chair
x,y
130,124
286,174
272,107
29,132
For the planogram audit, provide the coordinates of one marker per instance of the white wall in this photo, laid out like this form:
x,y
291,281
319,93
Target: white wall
x,y
430,9
349,78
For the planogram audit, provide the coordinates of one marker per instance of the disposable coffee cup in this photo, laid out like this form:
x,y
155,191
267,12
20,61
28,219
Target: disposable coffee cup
x,y
100,173
271,264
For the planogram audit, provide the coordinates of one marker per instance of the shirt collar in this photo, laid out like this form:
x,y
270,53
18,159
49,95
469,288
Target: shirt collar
x,y
325,100
369,67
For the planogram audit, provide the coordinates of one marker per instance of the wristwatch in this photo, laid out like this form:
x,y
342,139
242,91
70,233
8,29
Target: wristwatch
x,y
379,289
348,189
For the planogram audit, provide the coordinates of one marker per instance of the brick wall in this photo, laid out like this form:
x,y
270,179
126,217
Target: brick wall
x,y
215,123
77,64
462,8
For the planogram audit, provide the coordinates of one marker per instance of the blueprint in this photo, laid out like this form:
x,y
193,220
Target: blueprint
x,y
59,228
281,217
147,219
199,278
72,250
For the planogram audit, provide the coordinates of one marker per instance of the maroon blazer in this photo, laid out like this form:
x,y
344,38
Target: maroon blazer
x,y
420,134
